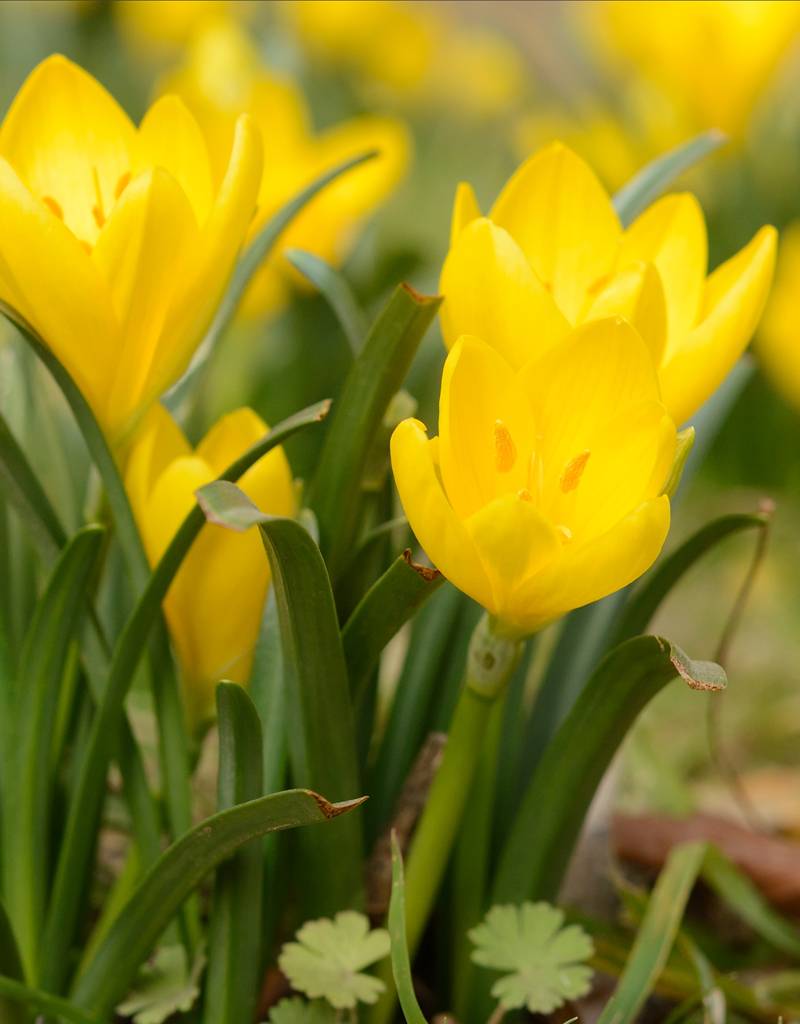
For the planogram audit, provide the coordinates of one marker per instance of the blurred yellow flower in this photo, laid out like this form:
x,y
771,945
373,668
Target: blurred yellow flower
x,y
224,75
712,58
552,254
167,25
116,243
544,489
215,603
778,342
414,53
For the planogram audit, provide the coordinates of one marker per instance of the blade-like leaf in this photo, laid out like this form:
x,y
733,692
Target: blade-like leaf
x,y
644,602
77,844
11,1010
49,1006
234,944
181,868
656,177
657,933
321,731
376,375
386,606
537,850
337,292
27,807
401,964
249,263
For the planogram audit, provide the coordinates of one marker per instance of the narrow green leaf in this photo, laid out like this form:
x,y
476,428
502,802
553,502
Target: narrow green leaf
x,y
656,177
645,600
76,849
401,964
386,606
657,933
179,871
542,837
376,375
11,1011
249,263
48,1005
234,943
321,730
27,811
337,293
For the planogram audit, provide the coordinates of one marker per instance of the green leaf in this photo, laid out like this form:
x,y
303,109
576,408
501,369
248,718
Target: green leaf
x,y
657,934
329,956
545,829
657,176
298,1011
249,263
321,733
337,292
165,986
181,868
11,1011
376,375
646,599
234,944
546,961
77,845
386,606
27,807
401,962
48,1005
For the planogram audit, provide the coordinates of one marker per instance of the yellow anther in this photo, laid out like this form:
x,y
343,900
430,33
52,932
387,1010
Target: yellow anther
x,y
505,451
99,219
53,206
599,284
525,495
566,533
122,184
573,471
97,210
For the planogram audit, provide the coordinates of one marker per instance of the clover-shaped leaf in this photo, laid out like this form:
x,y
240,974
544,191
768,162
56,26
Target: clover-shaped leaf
x,y
328,956
297,1011
165,986
545,961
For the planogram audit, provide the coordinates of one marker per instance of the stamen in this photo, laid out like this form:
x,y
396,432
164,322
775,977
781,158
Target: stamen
x,y
505,451
599,284
85,246
122,184
566,533
99,219
573,471
53,206
97,211
525,495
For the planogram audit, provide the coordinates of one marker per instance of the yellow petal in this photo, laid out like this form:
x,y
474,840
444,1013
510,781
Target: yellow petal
x,y
636,294
143,252
169,137
734,299
776,345
47,277
230,437
206,276
514,541
465,210
68,139
585,573
158,442
562,218
440,532
491,292
672,235
479,410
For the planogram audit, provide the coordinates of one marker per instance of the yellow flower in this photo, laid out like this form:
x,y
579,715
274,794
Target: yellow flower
x,y
552,254
543,490
223,74
215,603
116,245
167,25
778,342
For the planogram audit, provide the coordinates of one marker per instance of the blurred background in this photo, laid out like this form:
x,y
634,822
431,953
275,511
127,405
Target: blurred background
x,y
465,91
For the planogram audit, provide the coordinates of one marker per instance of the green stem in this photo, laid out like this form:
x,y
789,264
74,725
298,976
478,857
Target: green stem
x,y
490,662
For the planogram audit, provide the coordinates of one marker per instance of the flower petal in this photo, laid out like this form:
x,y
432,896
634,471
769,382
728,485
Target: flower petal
x,y
68,139
585,573
491,292
158,442
465,210
636,294
734,299
672,235
440,532
563,220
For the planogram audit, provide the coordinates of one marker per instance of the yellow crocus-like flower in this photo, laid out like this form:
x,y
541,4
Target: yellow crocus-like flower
x,y
224,74
778,342
543,490
215,603
116,243
552,254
